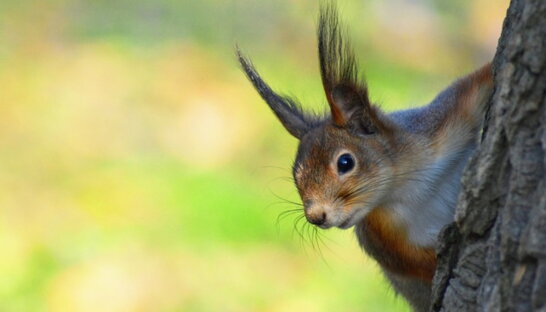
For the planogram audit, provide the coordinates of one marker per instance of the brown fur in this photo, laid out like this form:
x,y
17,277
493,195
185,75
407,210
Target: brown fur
x,y
396,254
462,120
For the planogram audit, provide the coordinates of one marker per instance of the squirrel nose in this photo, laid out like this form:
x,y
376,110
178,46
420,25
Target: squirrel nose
x,y
316,219
315,214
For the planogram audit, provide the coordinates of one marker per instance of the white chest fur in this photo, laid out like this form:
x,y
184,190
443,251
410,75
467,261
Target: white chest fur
x,y
426,202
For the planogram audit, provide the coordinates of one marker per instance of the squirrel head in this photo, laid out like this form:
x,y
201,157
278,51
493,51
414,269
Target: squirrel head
x,y
341,173
344,162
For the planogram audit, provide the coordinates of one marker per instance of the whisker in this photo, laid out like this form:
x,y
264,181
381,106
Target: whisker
x,y
318,238
287,200
296,224
283,215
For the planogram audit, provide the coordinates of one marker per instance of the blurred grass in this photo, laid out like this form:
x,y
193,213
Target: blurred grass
x,y
139,171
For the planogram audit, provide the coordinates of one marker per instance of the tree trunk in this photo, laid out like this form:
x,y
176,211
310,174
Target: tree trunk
x,y
493,258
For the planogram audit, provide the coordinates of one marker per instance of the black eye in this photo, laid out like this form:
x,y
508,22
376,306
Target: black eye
x,y
345,163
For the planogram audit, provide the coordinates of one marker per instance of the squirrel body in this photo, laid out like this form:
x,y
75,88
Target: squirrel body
x,y
394,177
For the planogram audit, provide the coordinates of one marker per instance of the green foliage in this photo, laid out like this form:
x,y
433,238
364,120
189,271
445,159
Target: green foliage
x,y
139,171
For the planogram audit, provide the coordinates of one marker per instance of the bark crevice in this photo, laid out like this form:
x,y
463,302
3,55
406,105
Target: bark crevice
x,y
493,257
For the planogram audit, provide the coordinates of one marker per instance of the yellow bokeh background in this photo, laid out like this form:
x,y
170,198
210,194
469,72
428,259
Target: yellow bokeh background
x,y
139,170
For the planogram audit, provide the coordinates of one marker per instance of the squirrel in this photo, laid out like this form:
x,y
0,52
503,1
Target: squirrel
x,y
394,177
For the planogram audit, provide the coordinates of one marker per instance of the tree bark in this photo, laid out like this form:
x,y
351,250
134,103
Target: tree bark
x,y
493,258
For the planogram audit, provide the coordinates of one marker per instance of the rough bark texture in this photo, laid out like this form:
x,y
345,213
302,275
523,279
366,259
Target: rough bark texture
x,y
493,258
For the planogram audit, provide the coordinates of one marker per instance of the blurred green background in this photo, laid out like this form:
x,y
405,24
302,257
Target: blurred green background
x,y
139,171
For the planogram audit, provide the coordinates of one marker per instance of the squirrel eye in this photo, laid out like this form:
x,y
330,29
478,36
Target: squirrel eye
x,y
345,163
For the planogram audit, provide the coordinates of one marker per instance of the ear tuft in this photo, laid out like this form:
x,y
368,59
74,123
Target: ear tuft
x,y
287,110
339,70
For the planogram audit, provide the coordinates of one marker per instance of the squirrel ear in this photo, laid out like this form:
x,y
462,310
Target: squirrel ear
x,y
287,110
352,105
346,101
345,93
